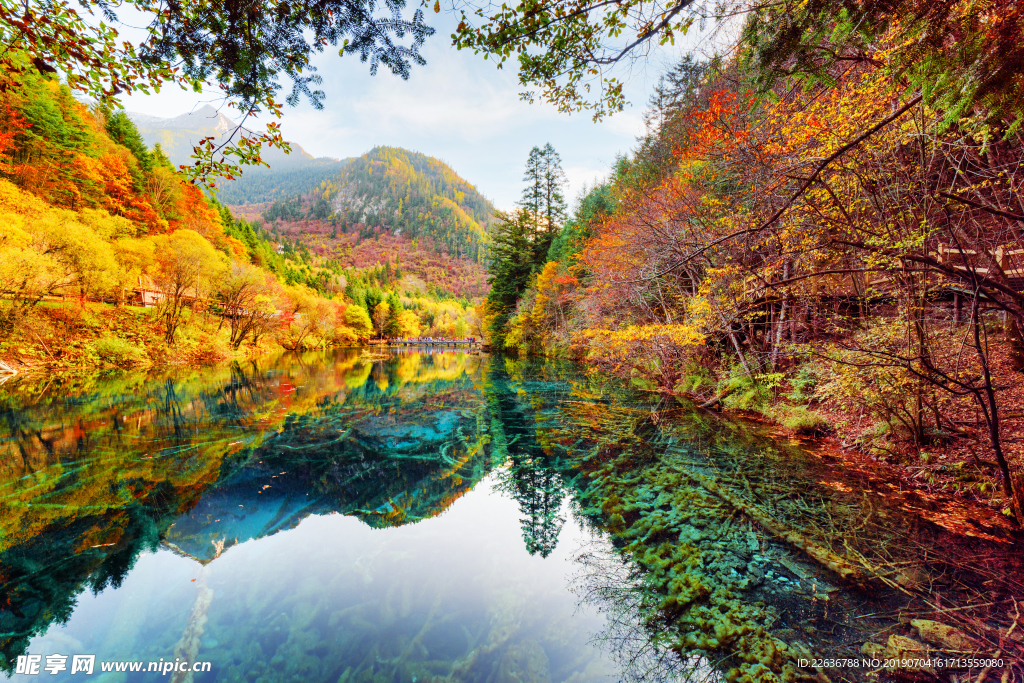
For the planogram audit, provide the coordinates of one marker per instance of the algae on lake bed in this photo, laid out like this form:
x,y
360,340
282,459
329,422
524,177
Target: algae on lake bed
x,y
743,543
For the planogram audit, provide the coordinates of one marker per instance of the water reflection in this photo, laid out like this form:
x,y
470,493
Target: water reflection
x,y
420,518
143,519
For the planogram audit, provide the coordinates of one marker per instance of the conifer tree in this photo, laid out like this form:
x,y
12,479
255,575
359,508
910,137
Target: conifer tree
x,y
510,267
532,201
554,203
123,131
543,201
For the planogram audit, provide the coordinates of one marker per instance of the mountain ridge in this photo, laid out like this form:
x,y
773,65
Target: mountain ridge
x,y
178,135
387,205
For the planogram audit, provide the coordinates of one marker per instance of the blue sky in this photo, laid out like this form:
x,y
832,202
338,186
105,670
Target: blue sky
x,y
459,108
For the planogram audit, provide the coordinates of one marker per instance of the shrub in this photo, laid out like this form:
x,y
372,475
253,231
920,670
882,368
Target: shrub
x,y
204,349
119,352
746,393
866,376
800,419
802,385
695,377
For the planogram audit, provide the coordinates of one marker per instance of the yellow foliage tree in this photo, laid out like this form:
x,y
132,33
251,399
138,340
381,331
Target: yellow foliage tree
x,y
358,319
186,265
380,316
408,324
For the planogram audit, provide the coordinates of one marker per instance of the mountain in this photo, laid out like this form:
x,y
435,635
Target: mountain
x,y
411,195
180,134
259,185
386,207
289,174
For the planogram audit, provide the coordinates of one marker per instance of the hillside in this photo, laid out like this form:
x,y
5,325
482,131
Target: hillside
x,y
108,256
412,195
386,206
392,191
261,186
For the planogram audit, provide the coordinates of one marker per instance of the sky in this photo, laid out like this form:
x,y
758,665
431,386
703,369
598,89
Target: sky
x,y
459,108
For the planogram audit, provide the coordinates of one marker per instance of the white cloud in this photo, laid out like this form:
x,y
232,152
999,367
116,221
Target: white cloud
x,y
459,107
584,176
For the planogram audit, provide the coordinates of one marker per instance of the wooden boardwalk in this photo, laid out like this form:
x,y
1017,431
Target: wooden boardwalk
x,y
442,343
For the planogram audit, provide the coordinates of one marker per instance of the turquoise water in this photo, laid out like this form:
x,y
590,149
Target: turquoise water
x,y
430,517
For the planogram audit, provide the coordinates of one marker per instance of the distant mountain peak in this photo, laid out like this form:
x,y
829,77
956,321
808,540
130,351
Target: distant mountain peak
x,y
409,194
205,117
179,134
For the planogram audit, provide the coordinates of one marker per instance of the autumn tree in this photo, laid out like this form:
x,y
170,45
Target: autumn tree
x,y
136,258
307,320
358,319
243,50
408,324
46,251
246,302
381,313
187,264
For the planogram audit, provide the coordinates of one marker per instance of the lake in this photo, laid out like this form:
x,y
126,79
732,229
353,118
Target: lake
x,y
448,516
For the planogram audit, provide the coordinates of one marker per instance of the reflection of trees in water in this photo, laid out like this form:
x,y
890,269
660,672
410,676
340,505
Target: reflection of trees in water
x,y
635,635
42,582
540,479
532,478
539,490
125,459
671,485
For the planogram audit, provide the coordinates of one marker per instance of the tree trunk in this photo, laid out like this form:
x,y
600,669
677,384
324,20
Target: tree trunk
x,y
990,410
1015,336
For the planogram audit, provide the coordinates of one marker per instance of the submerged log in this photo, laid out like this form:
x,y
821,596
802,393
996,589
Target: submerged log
x,y
823,556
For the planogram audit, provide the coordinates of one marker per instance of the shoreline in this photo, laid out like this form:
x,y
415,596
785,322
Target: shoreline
x,y
828,446
51,365
944,473
829,450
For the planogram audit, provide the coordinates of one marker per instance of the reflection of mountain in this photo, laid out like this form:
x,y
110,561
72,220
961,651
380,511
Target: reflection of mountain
x,y
387,469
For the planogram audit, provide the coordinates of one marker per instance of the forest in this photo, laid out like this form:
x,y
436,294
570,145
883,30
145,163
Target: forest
x,y
110,257
821,227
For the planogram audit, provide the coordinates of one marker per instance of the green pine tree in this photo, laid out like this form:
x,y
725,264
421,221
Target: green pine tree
x,y
510,268
554,208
